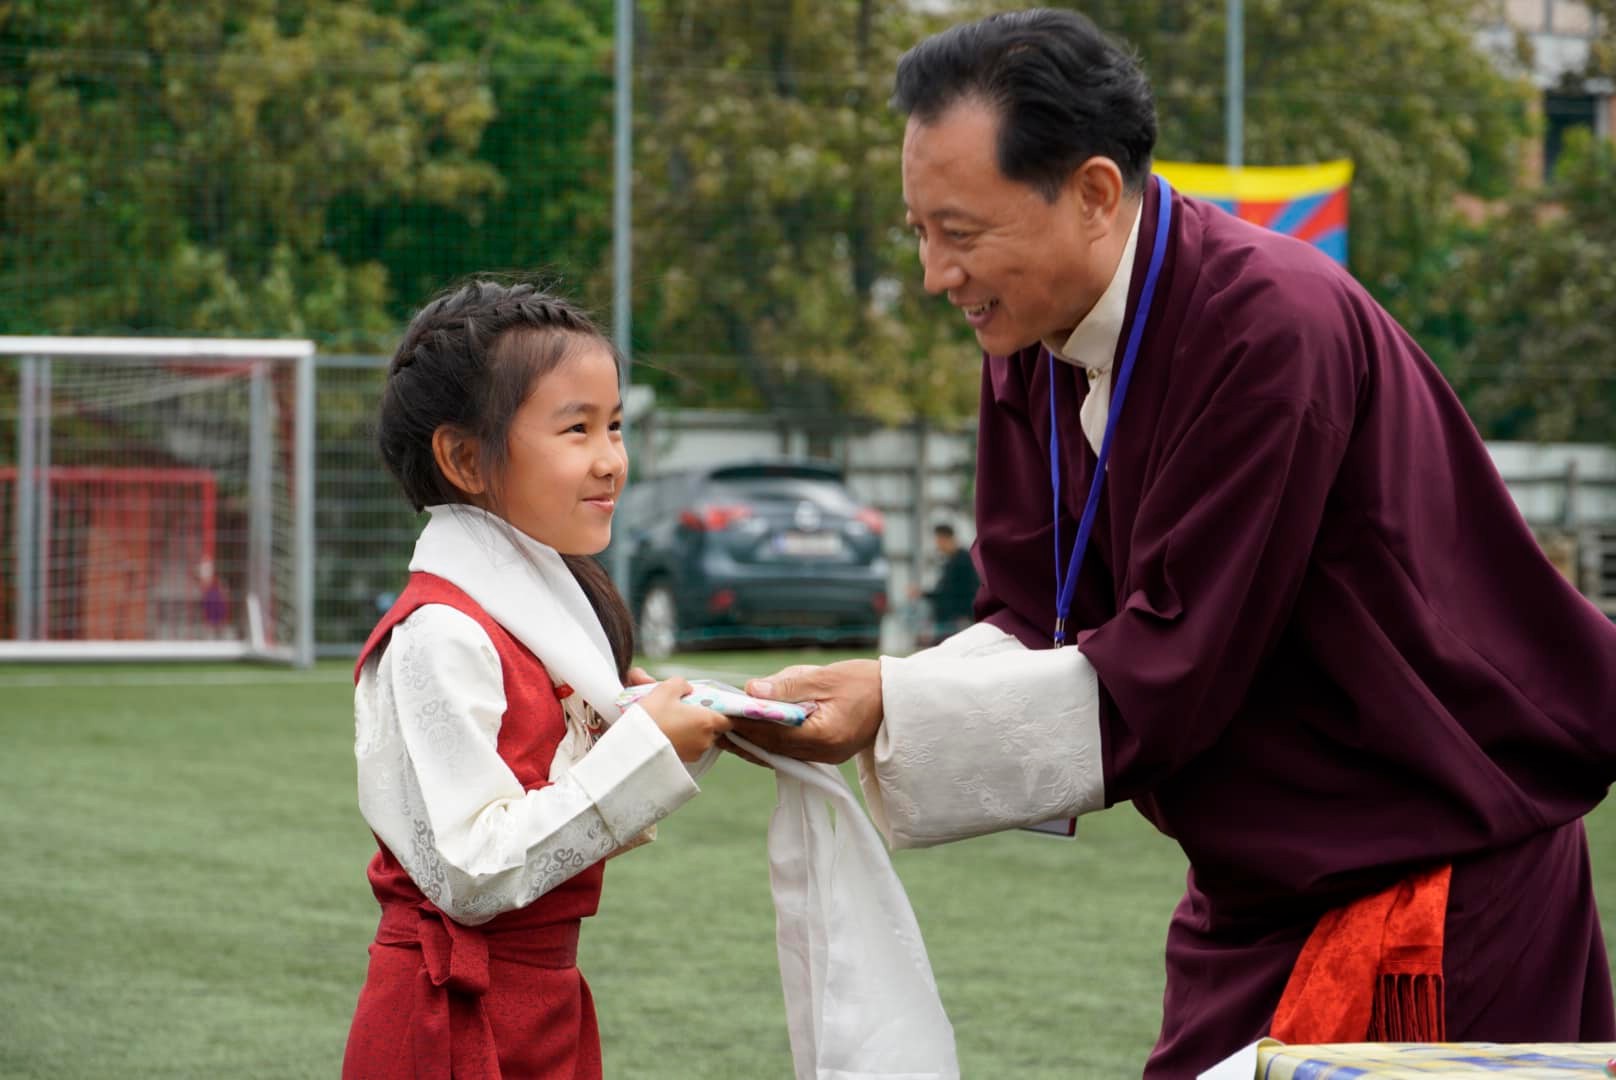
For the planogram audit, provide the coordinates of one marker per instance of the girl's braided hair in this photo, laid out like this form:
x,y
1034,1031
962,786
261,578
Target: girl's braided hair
x,y
468,360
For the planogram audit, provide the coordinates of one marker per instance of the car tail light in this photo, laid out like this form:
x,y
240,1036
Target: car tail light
x,y
713,518
878,603
721,601
872,519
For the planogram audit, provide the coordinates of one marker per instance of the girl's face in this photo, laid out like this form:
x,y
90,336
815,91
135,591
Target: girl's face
x,y
566,458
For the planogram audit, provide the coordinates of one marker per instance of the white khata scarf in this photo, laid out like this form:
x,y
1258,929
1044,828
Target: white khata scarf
x,y
861,1003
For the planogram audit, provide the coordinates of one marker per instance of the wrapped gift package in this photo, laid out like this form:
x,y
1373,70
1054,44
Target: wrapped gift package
x,y
1270,1060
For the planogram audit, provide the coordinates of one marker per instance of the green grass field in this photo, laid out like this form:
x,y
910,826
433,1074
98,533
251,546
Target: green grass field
x,y
184,896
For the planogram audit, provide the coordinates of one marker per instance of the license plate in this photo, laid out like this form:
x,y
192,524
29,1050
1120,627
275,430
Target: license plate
x,y
808,545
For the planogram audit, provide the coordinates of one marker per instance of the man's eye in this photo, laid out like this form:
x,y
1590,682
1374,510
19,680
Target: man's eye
x,y
956,235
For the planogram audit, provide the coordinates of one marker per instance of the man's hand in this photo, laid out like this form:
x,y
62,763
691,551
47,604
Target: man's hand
x,y
847,713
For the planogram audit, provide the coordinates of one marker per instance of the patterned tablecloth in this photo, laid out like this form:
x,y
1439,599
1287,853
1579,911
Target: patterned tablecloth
x,y
1422,1061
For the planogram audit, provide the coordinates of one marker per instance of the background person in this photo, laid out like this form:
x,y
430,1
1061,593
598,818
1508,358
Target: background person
x,y
950,599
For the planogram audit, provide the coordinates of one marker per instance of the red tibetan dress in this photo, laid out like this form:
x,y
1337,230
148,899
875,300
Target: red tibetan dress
x,y
504,999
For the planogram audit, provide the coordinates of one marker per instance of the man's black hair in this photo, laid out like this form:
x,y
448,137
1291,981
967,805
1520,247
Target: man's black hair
x,y
1064,92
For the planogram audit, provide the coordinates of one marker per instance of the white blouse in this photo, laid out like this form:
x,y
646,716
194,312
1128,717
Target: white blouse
x,y
434,789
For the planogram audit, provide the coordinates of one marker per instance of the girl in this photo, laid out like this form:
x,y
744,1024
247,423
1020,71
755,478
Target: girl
x,y
487,768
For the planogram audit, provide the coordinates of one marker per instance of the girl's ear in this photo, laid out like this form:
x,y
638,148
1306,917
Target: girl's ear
x,y
458,459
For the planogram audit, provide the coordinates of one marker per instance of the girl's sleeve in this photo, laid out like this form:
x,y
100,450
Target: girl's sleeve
x,y
435,790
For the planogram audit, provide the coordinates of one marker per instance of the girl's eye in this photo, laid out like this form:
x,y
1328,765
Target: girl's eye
x,y
615,425
579,428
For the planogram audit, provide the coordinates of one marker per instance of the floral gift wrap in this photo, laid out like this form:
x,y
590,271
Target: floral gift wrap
x,y
1270,1060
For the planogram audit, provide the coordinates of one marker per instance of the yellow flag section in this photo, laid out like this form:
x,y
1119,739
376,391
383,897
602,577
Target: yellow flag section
x,y
1308,202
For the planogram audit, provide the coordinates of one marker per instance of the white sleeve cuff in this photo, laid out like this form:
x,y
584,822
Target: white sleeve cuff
x,y
633,776
981,735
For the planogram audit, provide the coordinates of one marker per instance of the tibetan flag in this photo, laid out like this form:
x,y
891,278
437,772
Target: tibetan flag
x,y
1308,202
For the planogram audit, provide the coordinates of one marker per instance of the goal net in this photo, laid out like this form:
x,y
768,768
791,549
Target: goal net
x,y
156,499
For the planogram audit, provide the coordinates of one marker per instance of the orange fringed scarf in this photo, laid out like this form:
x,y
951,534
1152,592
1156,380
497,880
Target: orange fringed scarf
x,y
1372,971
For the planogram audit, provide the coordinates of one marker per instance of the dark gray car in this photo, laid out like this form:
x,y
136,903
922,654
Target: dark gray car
x,y
749,553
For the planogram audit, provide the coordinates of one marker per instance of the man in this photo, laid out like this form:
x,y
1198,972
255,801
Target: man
x,y
1311,637
951,599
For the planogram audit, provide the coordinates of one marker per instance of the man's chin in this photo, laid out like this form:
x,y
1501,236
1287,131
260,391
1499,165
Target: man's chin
x,y
997,343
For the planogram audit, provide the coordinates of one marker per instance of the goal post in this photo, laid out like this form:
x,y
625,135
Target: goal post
x,y
156,499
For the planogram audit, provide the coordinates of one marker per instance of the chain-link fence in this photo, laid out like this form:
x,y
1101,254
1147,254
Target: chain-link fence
x,y
364,526
318,170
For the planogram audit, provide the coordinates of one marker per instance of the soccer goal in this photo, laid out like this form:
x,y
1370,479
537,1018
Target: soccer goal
x,y
156,499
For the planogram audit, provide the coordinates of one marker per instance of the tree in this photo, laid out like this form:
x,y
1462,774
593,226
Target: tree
x,y
547,66
768,213
171,166
1531,303
1526,302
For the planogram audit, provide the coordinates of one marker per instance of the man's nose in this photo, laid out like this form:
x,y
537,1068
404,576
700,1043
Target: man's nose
x,y
941,273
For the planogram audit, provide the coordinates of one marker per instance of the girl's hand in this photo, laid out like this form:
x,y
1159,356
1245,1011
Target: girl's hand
x,y
690,728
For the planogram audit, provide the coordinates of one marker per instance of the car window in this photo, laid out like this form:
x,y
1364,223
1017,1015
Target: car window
x,y
826,495
777,471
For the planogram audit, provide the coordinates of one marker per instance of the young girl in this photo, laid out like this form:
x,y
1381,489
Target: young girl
x,y
487,768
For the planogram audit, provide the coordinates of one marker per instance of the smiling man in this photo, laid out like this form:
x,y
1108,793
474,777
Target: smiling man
x,y
1246,563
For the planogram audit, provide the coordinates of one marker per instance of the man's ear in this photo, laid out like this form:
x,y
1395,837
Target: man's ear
x,y
1100,192
459,459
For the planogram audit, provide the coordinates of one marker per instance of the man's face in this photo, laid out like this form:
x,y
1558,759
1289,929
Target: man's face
x,y
1020,268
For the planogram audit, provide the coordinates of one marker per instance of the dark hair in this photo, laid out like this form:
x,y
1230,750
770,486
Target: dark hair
x,y
1064,92
468,360
944,529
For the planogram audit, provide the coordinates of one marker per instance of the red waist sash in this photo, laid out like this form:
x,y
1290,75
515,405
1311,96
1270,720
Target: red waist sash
x,y
1372,971
452,1035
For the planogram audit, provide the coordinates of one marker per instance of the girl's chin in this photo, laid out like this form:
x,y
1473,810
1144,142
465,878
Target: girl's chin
x,y
584,545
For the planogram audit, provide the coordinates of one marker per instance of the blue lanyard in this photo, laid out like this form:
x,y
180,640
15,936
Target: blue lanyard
x,y
1066,586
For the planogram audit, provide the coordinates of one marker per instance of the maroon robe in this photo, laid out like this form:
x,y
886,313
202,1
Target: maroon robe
x,y
1330,651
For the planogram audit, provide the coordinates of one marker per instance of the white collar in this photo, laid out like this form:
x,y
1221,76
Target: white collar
x,y
525,587
1093,343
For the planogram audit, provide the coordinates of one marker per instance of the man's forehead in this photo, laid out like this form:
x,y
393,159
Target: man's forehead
x,y
956,150
942,211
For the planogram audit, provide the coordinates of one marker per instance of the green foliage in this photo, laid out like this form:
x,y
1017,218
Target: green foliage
x,y
768,214
171,165
768,206
547,68
317,167
1531,300
311,168
1398,86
